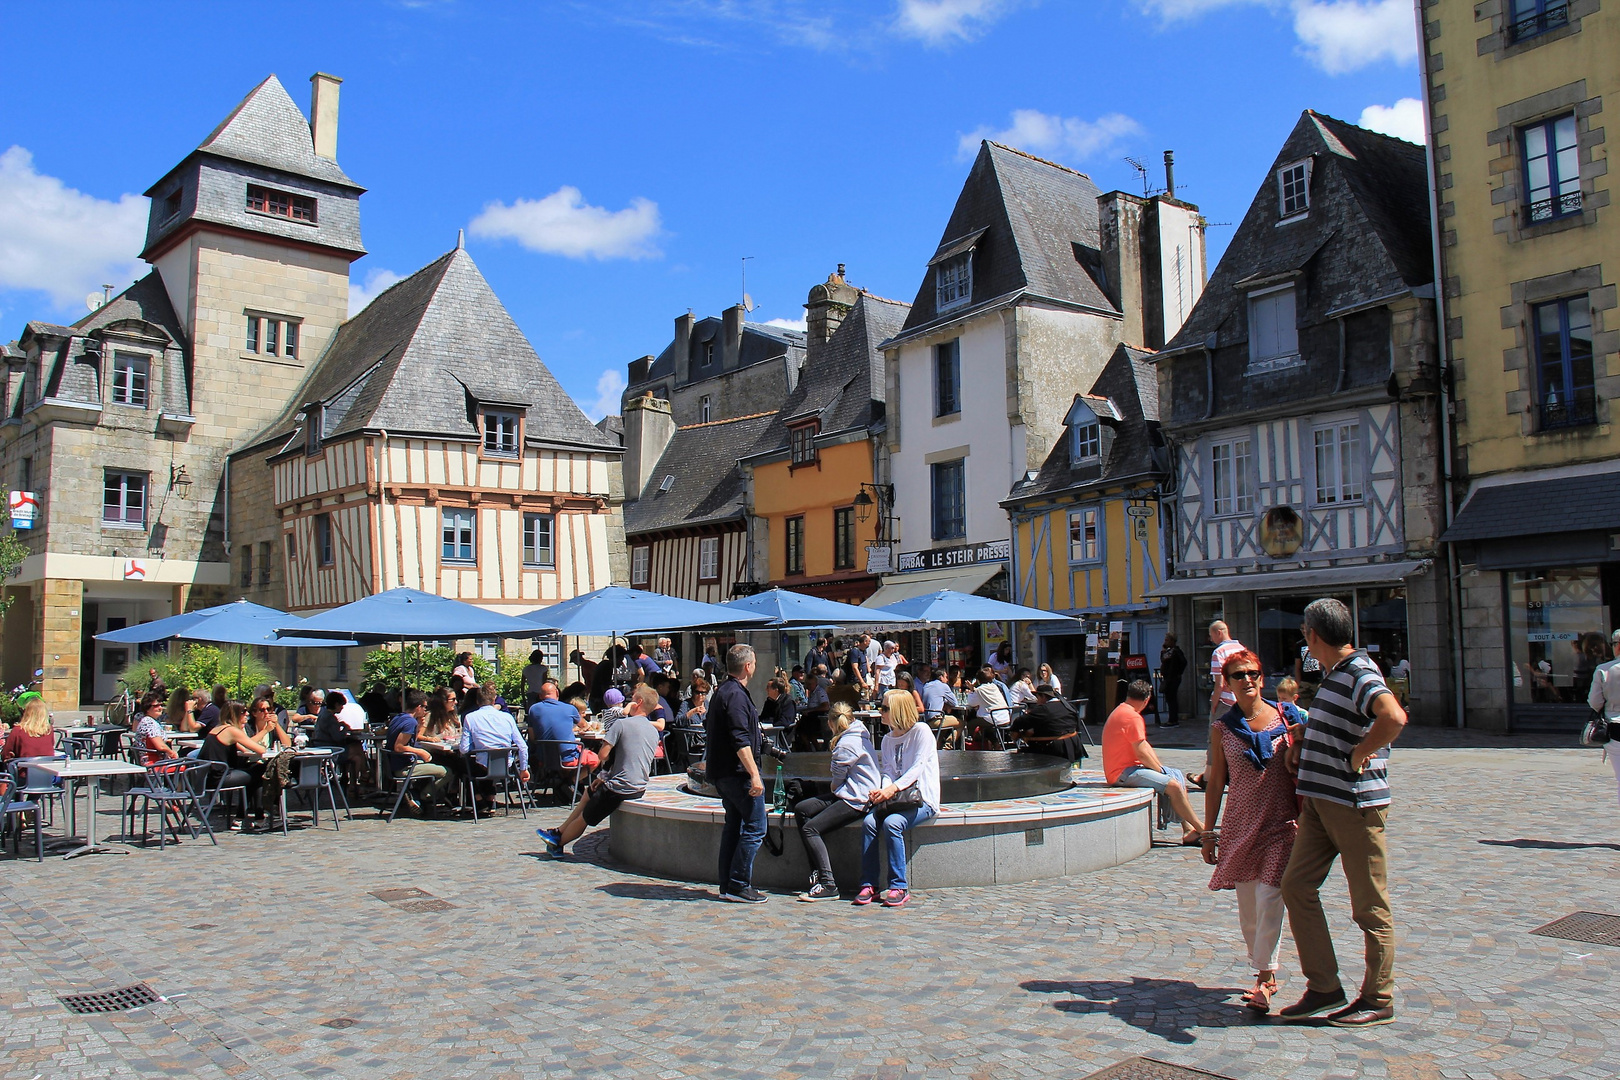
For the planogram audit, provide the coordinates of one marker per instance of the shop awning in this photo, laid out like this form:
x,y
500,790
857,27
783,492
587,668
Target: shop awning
x,y
963,579
1385,573
1539,507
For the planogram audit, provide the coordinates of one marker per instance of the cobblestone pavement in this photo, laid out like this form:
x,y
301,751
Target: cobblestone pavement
x,y
265,947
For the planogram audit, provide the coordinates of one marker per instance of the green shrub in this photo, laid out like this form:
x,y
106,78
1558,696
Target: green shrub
x,y
200,667
425,669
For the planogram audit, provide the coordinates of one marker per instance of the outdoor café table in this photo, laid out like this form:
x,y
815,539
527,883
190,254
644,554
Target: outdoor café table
x,y
91,769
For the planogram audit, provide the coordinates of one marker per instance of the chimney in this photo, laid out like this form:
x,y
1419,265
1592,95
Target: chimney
x,y
683,347
731,342
323,113
640,368
824,311
648,427
1120,228
1170,173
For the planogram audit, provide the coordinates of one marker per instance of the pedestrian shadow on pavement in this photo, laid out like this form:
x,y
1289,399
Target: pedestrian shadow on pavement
x,y
1168,1008
646,890
1548,845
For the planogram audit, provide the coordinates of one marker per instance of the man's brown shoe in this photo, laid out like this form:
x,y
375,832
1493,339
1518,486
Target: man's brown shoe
x,y
1362,1015
1314,1003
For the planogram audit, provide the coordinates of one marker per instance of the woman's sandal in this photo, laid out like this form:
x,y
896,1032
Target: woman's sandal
x,y
1259,999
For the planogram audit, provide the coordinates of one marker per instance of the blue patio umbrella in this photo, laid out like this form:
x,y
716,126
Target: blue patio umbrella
x,y
413,615
240,623
791,610
949,606
617,610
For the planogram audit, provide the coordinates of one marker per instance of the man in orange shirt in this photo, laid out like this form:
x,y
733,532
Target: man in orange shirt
x,y
1128,760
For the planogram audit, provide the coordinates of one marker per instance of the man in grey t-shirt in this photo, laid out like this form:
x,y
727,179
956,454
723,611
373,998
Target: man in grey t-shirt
x,y
627,758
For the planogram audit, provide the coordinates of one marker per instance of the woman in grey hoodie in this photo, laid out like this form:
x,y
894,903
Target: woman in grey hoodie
x,y
854,775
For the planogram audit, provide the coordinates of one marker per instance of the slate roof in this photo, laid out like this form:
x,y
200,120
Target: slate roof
x,y
1538,507
612,427
708,483
1131,382
760,342
421,357
146,300
1032,215
267,129
844,386
1365,237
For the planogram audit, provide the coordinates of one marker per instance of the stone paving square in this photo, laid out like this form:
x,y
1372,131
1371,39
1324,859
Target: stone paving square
x,y
278,959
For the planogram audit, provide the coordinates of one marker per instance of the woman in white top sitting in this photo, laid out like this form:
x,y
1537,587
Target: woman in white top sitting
x,y
1048,677
907,797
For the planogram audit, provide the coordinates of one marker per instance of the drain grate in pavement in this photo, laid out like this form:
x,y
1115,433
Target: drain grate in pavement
x,y
430,904
1141,1068
1587,926
110,1001
338,1023
395,895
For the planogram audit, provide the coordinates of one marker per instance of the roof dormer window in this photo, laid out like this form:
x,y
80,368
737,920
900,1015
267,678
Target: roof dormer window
x,y
171,204
802,444
953,281
502,433
1294,189
312,427
1085,443
263,200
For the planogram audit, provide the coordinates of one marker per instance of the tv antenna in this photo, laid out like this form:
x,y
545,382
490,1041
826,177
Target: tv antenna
x,y
1141,171
747,301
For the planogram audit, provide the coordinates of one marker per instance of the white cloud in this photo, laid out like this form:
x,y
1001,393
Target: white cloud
x,y
376,282
1404,120
1338,36
59,240
1056,136
609,389
1346,35
787,324
942,22
563,223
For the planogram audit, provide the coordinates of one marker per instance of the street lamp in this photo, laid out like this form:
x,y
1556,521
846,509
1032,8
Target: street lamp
x,y
880,496
179,482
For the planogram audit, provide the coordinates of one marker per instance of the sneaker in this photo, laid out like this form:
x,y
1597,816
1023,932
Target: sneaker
x,y
747,895
1314,1003
553,842
895,897
1362,1015
865,896
821,890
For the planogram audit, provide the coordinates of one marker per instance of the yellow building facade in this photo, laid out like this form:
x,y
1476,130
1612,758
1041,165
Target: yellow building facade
x,y
808,521
1530,250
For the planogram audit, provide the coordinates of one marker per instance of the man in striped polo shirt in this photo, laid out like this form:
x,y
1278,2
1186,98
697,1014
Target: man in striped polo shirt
x,y
1342,758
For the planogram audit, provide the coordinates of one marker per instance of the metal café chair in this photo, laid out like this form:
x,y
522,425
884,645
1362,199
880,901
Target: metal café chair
x,y
404,781
497,765
13,807
42,788
215,789
550,764
178,784
312,773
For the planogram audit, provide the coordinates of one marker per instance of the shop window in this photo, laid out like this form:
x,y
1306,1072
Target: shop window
x,y
793,536
1338,464
844,538
949,499
948,378
1230,488
131,376
1552,169
1557,624
459,528
709,558
123,499
1566,396
538,530
1205,610
1527,18
640,557
1085,535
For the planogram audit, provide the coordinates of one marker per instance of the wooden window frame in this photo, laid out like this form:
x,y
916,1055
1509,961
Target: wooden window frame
x,y
325,542
940,526
450,517
273,202
131,363
142,483
640,565
844,538
793,546
550,561
487,421
1086,523
707,544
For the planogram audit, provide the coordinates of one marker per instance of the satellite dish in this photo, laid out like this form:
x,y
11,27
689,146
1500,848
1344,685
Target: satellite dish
x,y
94,300
748,303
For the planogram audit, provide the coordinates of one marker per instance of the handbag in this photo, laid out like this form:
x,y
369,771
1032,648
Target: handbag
x,y
904,799
1596,732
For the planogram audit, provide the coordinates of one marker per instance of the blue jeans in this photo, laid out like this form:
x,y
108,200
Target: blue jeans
x,y
1144,777
742,833
894,825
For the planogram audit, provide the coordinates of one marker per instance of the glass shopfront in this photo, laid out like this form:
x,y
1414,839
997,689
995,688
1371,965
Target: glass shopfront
x,y
1557,627
1381,629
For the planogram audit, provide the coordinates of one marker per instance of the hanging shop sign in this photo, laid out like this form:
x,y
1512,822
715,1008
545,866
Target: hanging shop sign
x,y
962,555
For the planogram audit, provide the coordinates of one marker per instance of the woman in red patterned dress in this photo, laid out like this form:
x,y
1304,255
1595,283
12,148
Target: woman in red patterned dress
x,y
1247,751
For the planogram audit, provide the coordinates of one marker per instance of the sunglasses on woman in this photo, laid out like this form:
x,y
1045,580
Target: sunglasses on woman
x,y
1248,675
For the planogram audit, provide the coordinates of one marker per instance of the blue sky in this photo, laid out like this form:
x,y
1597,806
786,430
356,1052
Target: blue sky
x,y
614,161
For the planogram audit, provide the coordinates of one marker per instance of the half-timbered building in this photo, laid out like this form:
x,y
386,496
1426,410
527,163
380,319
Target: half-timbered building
x,y
1301,403
431,448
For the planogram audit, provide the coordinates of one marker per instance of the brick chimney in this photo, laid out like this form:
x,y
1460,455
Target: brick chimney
x,y
731,340
323,113
825,309
648,427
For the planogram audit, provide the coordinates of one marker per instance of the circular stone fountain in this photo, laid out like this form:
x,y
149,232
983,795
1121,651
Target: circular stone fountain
x,y
1006,817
